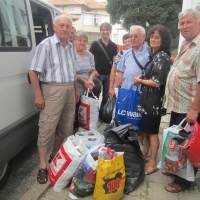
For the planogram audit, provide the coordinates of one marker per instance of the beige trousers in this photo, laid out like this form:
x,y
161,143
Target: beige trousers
x,y
57,117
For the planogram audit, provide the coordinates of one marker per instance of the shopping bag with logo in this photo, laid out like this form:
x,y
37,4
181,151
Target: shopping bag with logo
x,y
110,177
66,162
126,106
174,160
88,113
192,147
90,138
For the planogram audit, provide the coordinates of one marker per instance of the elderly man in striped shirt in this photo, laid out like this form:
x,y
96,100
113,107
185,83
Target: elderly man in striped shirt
x,y
53,66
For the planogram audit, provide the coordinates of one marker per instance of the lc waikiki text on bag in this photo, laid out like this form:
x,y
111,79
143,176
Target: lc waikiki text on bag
x,y
126,106
174,160
88,113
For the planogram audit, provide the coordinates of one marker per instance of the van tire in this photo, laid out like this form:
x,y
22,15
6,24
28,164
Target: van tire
x,y
4,174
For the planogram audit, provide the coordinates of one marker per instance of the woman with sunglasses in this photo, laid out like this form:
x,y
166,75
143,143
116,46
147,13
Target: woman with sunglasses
x,y
153,82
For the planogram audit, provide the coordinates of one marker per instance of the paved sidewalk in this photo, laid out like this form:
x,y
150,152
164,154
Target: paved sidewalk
x,y
152,187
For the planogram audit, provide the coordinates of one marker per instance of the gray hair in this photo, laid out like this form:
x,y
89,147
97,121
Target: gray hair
x,y
193,12
142,29
79,34
60,16
107,25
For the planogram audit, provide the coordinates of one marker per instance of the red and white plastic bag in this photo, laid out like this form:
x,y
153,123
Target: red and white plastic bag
x,y
88,113
66,162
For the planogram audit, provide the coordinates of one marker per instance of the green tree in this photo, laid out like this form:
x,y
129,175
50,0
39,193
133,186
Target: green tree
x,y
146,13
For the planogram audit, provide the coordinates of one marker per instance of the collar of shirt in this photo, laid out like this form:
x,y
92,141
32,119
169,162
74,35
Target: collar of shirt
x,y
195,41
56,40
100,40
144,47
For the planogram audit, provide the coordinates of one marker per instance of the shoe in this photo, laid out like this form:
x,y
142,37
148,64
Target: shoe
x,y
42,176
150,168
174,187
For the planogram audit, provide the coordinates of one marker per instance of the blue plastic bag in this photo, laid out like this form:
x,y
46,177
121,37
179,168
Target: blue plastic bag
x,y
126,106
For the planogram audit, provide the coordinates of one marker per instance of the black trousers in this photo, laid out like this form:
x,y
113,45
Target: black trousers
x,y
105,80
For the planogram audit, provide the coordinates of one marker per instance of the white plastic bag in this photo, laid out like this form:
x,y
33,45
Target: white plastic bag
x,y
88,112
84,179
90,138
66,162
174,160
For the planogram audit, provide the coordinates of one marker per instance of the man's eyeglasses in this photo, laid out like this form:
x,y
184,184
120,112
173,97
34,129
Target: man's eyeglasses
x,y
155,36
135,35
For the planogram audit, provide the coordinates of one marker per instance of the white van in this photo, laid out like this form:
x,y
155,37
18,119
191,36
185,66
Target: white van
x,y
23,24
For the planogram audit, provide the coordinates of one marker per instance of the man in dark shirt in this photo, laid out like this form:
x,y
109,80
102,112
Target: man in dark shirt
x,y
103,65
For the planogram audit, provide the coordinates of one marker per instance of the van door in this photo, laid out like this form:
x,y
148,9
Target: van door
x,y
23,24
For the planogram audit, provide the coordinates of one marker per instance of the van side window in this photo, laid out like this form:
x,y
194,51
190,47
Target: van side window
x,y
15,26
42,22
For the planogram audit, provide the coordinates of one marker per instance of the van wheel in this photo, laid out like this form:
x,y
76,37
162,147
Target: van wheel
x,y
4,174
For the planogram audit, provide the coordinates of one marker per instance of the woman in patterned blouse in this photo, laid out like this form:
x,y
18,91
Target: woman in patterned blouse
x,y
153,82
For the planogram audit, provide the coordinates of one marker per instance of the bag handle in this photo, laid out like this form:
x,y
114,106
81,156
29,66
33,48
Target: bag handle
x,y
189,127
137,90
86,93
134,87
180,124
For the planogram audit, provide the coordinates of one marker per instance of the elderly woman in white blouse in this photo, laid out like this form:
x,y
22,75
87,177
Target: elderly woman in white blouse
x,y
85,71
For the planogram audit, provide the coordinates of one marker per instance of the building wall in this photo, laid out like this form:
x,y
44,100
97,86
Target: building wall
x,y
90,21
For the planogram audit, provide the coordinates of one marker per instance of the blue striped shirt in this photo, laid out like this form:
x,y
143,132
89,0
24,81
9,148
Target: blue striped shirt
x,y
53,62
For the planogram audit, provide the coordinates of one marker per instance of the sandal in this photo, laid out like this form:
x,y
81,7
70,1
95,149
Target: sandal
x,y
150,168
42,176
174,187
51,157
